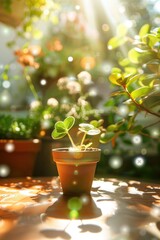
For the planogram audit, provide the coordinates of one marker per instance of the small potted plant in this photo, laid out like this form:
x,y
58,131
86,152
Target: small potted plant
x,y
18,145
76,165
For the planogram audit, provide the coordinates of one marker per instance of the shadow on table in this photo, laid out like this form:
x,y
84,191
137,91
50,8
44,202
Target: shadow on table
x,y
138,210
71,208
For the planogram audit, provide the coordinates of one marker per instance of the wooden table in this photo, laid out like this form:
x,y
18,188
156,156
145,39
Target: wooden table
x,y
35,209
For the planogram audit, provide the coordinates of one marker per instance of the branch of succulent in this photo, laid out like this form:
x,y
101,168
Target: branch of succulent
x,y
138,78
136,84
62,128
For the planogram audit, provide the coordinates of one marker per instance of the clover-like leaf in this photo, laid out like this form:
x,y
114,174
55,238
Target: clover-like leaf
x,y
89,129
58,135
85,127
93,132
60,127
69,122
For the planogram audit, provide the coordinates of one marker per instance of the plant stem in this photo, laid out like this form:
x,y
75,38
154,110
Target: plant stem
x,y
84,136
32,88
141,107
152,124
71,140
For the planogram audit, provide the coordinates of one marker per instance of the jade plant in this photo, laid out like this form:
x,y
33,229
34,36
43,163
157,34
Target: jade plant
x,y
136,85
62,129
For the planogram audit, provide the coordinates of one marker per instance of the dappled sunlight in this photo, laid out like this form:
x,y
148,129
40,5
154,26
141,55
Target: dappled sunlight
x,y
36,209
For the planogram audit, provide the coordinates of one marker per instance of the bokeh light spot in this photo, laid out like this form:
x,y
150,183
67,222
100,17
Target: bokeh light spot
x,y
9,147
73,214
74,182
137,139
4,170
115,162
70,59
76,172
6,84
139,161
43,82
144,151
75,203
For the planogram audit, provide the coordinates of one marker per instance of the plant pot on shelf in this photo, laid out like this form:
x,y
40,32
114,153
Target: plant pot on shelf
x,y
17,157
76,169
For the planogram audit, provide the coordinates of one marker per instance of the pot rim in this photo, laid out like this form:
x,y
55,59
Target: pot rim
x,y
66,149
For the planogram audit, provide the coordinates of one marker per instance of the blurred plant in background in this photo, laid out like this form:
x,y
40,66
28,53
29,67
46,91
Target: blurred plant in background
x,y
58,45
133,125
43,59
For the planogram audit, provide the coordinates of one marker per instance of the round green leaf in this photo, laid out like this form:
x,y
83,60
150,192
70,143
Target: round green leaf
x,y
58,135
60,127
69,122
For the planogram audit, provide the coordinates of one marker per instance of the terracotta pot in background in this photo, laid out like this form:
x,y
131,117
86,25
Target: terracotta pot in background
x,y
17,157
76,169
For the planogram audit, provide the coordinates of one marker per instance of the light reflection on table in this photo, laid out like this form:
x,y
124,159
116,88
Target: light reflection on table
x,y
35,209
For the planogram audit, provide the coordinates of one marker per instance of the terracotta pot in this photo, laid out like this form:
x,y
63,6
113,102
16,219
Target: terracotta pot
x,y
16,15
76,169
17,157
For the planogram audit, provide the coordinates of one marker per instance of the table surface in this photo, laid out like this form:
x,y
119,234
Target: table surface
x,y
36,209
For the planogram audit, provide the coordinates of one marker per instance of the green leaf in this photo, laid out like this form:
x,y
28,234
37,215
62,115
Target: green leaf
x,y
124,62
116,42
133,56
112,128
132,79
116,70
131,70
85,127
144,30
60,127
150,40
97,123
140,92
106,137
93,132
69,122
115,78
57,135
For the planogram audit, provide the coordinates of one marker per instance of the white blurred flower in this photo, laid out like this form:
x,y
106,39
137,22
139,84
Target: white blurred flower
x,y
85,77
73,112
52,102
73,87
45,124
35,104
62,82
82,102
